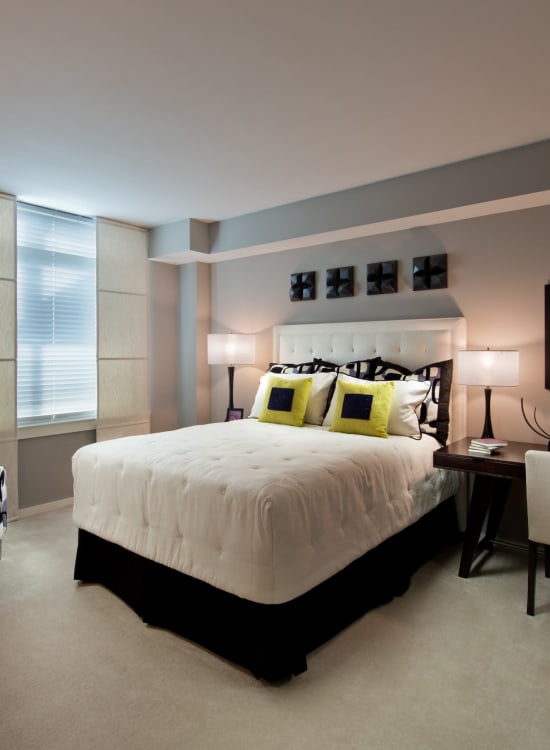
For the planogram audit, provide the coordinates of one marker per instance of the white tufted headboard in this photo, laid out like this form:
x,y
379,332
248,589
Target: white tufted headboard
x,y
411,343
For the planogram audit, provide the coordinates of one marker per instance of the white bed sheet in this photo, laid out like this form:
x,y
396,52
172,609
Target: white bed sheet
x,y
260,510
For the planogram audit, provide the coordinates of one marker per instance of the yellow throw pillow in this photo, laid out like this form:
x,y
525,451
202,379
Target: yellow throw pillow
x,y
363,407
285,400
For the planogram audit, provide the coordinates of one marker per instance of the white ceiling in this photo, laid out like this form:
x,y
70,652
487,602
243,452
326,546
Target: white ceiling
x,y
150,112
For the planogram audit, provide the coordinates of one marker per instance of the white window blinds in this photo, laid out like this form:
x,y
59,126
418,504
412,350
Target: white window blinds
x,y
56,316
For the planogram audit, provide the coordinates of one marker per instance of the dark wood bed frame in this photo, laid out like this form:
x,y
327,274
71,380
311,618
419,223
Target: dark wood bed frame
x,y
272,641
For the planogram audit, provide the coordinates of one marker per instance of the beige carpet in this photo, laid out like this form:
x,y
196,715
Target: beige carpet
x,y
452,664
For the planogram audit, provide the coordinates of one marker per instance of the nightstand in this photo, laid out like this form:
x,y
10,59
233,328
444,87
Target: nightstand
x,y
492,478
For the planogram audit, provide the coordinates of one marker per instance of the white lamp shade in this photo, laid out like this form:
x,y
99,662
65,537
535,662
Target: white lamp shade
x,y
488,367
231,349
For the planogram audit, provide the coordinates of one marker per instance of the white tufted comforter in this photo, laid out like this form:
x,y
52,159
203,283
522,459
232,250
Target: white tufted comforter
x,y
263,511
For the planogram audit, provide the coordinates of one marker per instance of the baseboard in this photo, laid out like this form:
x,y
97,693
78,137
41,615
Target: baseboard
x,y
510,545
34,510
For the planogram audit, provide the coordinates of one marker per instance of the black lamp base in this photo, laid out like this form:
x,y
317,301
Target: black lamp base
x,y
231,375
487,427
232,412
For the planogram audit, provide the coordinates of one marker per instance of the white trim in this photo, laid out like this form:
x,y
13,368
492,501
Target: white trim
x,y
123,224
58,428
399,224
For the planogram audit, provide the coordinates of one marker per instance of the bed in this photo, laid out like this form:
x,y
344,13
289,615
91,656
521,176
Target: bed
x,y
260,539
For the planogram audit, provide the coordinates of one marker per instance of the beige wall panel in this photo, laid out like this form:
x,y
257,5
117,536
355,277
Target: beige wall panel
x,y
109,432
123,325
123,387
121,258
123,372
7,399
7,319
8,442
8,459
7,238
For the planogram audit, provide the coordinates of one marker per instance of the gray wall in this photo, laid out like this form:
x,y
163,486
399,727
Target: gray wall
x,y
498,266
163,345
194,326
45,472
500,176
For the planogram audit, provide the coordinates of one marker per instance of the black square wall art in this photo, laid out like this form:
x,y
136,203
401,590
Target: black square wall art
x,y
340,282
382,277
430,272
302,286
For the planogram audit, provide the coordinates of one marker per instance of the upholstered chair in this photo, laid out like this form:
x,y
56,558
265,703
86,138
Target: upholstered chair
x,y
537,472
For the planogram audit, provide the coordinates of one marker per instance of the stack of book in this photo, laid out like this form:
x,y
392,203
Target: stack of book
x,y
486,446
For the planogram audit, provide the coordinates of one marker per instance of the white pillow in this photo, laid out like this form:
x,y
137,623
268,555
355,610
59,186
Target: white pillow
x,y
402,419
318,396
407,397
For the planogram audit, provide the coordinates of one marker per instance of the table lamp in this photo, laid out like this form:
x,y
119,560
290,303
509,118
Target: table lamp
x,y
488,367
231,349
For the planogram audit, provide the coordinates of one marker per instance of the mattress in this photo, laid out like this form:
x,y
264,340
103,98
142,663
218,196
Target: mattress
x,y
260,510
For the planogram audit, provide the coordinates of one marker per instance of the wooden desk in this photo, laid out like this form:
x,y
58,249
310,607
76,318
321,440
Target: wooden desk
x,y
493,475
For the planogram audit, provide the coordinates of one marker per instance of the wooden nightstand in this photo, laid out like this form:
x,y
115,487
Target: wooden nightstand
x,y
492,478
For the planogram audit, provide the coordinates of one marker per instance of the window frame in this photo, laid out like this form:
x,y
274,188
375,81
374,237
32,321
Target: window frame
x,y
56,316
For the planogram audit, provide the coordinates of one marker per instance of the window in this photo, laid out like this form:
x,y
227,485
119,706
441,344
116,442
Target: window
x,y
56,317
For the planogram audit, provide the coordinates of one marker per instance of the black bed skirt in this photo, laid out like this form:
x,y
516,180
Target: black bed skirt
x,y
271,640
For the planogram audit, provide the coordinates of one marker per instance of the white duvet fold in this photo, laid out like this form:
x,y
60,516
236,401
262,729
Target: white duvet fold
x,y
263,511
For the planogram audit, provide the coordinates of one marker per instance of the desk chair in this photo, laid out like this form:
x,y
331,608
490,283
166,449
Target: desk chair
x,y
537,474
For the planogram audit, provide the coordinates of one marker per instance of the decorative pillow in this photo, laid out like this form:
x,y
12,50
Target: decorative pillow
x,y
383,370
321,388
319,396
402,418
408,396
433,413
362,407
321,365
329,416
285,400
318,365
284,367
361,368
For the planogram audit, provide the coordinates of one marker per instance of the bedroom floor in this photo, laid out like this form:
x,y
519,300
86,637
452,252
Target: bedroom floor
x,y
452,664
